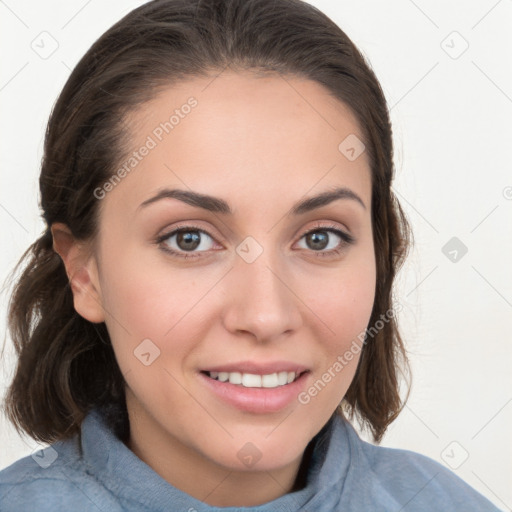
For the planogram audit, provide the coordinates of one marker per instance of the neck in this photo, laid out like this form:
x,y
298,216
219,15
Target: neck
x,y
191,472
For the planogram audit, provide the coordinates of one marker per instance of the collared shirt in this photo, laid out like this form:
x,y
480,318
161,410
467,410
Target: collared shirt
x,y
95,471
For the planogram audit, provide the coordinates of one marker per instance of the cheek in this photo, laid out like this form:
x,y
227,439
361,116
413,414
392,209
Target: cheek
x,y
149,323
343,307
157,310
142,301
144,296
343,302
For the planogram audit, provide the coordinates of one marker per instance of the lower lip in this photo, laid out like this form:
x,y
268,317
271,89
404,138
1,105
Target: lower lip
x,y
256,400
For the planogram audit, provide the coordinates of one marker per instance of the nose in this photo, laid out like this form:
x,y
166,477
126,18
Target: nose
x,y
261,300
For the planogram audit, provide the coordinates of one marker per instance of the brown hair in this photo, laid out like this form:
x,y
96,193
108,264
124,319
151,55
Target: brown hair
x,y
66,364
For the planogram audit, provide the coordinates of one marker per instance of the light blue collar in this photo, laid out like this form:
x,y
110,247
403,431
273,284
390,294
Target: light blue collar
x,y
132,480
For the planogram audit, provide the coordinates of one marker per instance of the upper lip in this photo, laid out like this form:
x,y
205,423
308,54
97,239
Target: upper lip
x,y
258,368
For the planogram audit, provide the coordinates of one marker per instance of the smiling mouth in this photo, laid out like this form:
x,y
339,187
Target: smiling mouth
x,y
252,380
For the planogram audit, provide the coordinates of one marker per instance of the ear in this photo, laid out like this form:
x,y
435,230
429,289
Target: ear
x,y
82,271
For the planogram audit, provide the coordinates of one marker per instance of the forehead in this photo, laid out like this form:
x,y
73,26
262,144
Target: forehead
x,y
239,135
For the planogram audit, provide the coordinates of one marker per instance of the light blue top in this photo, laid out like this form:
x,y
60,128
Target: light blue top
x,y
100,473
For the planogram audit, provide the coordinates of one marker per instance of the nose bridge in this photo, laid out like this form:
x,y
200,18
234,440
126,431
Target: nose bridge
x,y
261,301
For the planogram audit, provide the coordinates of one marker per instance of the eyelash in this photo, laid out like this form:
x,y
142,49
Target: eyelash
x,y
346,240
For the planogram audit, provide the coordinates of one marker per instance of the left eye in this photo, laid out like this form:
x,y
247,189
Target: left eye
x,y
321,239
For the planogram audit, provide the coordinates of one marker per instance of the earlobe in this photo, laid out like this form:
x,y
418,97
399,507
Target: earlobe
x,y
82,273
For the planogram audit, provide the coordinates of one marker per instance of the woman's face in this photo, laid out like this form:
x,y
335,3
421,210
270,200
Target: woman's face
x,y
243,289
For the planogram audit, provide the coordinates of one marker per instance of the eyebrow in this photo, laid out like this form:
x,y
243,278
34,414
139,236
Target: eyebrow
x,y
217,205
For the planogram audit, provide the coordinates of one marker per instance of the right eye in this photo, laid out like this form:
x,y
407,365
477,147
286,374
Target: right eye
x,y
183,242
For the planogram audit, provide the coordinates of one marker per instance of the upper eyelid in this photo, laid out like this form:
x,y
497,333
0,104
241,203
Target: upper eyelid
x,y
185,227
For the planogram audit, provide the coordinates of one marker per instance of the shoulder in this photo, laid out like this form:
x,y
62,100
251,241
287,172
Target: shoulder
x,y
417,482
54,478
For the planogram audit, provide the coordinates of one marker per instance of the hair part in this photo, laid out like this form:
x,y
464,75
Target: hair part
x,y
66,364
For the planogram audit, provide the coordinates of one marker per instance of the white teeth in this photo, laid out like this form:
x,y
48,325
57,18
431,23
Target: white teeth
x,y
251,380
270,381
235,378
282,378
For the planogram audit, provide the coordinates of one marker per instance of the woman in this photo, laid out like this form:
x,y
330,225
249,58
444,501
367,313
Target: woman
x,y
212,297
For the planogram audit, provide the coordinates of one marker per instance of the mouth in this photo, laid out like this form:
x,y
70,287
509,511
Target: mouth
x,y
273,389
254,380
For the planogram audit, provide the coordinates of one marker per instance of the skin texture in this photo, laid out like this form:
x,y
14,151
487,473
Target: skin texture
x,y
261,144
